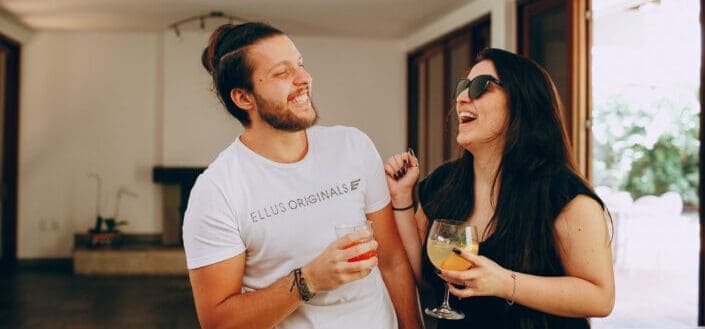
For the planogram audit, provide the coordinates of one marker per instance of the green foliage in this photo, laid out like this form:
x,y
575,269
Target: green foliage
x,y
647,149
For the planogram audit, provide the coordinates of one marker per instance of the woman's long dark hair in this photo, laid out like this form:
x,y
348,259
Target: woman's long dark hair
x,y
536,178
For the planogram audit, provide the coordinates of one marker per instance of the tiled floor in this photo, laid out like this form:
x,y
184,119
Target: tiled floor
x,y
60,300
655,272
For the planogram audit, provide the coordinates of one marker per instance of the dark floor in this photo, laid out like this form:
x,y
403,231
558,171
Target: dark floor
x,y
61,300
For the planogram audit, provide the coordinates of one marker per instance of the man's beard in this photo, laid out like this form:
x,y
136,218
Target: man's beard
x,y
279,117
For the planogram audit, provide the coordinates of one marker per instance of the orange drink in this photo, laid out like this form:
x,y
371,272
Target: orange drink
x,y
360,257
341,230
442,256
442,238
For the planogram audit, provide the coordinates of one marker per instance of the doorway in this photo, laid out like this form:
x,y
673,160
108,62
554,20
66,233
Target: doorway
x,y
572,39
646,58
433,69
554,33
9,141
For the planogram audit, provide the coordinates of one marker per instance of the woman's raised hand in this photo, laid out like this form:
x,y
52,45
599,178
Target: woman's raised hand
x,y
402,173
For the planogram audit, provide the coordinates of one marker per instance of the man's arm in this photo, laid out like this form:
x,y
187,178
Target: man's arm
x,y
220,303
395,268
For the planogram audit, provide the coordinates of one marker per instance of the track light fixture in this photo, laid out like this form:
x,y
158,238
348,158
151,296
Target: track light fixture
x,y
176,26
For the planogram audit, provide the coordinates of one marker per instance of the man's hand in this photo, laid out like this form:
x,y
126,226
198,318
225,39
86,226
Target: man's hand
x,y
331,268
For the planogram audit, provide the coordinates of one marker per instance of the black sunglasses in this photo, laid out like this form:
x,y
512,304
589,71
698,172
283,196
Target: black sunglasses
x,y
476,86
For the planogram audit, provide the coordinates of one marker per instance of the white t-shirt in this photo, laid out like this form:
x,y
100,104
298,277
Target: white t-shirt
x,y
283,216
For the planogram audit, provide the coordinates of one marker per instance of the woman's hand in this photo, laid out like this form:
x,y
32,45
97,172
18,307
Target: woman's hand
x,y
484,278
402,173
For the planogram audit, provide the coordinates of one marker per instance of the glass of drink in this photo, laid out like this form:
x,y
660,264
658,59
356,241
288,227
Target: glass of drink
x,y
442,238
366,226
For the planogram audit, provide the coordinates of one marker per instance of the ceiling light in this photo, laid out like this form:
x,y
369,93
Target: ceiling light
x,y
177,26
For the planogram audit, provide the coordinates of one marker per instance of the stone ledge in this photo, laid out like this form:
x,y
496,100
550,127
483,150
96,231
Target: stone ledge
x,y
152,261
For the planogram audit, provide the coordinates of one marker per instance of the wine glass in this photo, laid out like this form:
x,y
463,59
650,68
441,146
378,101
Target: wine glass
x,y
442,238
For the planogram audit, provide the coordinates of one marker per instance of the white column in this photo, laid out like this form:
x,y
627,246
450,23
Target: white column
x,y
503,31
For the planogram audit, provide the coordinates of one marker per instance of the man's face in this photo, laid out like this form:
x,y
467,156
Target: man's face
x,y
281,85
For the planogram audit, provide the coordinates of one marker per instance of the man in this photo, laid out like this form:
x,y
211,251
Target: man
x,y
259,229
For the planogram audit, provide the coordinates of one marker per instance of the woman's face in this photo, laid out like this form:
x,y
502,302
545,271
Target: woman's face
x,y
482,121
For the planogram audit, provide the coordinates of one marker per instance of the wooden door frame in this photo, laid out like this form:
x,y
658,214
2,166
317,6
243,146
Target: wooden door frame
x,y
10,151
413,98
581,100
580,33
447,98
578,41
423,53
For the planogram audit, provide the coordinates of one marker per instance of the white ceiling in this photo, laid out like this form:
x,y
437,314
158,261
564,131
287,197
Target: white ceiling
x,y
357,18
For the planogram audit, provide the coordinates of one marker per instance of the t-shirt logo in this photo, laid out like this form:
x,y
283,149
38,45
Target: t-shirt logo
x,y
306,200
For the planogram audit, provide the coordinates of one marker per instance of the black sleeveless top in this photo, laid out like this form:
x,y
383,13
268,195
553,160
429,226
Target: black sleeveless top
x,y
483,312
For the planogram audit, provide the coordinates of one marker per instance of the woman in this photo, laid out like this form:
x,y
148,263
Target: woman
x,y
544,259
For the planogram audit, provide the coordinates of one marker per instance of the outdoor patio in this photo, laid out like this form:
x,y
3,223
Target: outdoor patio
x,y
656,263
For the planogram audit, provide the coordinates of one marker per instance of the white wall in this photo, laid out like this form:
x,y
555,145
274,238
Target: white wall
x,y
196,127
13,29
503,24
360,83
357,82
120,103
87,105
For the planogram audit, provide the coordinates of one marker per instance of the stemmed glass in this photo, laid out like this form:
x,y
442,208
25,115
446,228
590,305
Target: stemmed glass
x,y
442,238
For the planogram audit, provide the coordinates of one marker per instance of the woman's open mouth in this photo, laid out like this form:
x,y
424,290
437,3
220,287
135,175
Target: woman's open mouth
x,y
465,117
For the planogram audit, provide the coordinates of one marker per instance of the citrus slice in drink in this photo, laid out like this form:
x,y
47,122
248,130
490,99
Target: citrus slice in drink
x,y
455,263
